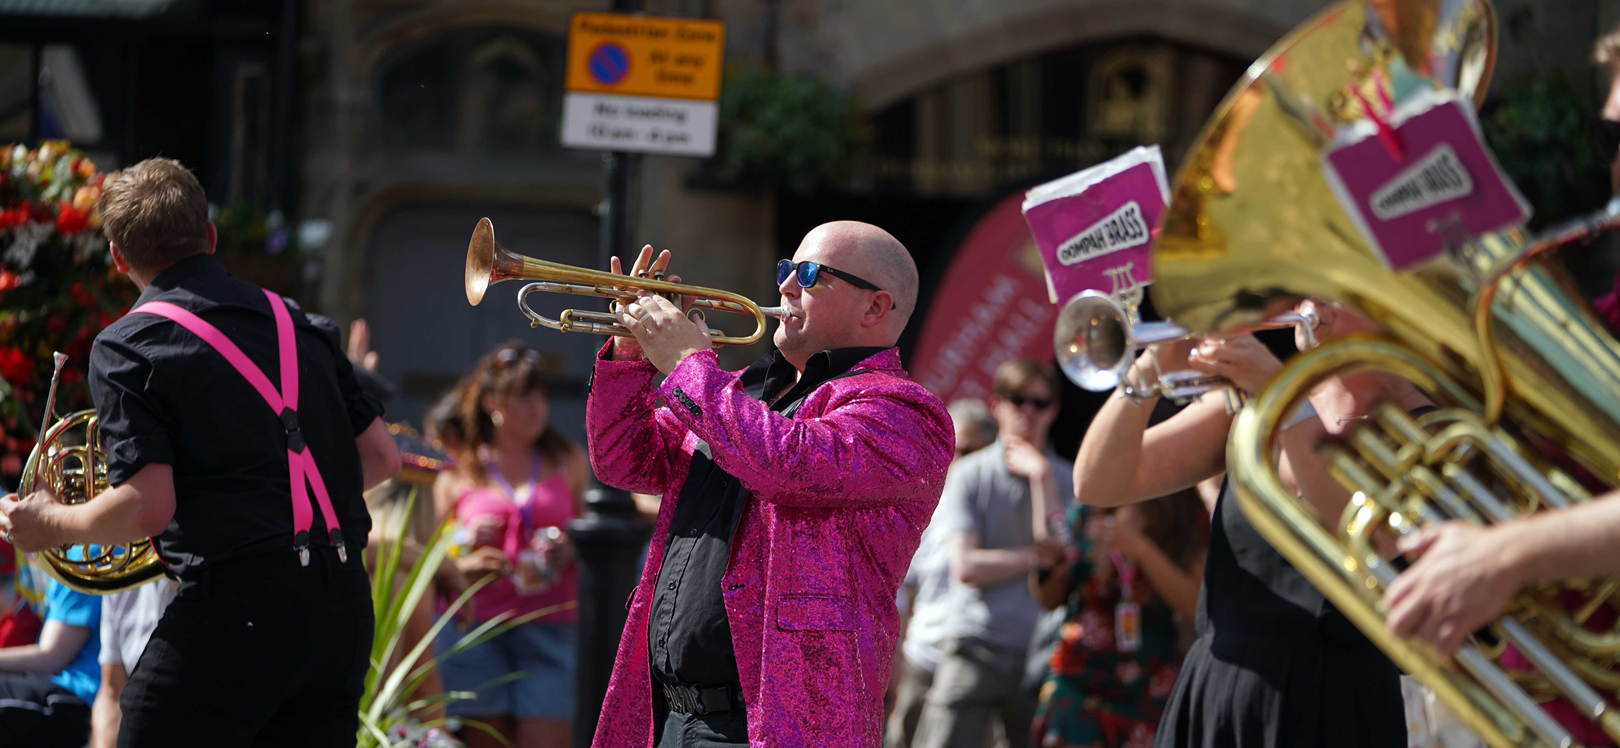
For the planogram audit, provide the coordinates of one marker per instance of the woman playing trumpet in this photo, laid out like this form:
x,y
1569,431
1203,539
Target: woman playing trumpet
x,y
1275,664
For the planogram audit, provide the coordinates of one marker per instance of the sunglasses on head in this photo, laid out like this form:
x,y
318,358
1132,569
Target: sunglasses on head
x,y
1038,403
808,274
508,355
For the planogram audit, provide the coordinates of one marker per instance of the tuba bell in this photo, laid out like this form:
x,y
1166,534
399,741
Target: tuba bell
x,y
1527,379
69,460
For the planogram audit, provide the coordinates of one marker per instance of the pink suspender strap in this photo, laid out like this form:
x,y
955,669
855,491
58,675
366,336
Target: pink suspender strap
x,y
300,463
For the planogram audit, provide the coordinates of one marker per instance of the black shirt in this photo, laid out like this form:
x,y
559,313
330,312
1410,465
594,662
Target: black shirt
x,y
688,635
164,396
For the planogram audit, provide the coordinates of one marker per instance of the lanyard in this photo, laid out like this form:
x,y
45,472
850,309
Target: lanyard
x,y
524,506
506,486
1127,573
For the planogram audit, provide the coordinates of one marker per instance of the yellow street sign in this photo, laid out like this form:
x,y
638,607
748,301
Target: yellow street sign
x,y
676,58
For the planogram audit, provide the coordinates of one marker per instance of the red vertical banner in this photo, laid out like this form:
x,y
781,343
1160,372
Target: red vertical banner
x,y
990,307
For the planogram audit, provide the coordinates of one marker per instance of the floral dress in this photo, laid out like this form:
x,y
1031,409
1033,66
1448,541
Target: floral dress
x,y
1096,694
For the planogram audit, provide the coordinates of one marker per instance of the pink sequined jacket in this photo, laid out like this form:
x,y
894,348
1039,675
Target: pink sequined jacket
x,y
839,496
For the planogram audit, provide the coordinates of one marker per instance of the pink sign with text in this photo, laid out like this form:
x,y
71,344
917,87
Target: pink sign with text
x,y
1095,227
1430,183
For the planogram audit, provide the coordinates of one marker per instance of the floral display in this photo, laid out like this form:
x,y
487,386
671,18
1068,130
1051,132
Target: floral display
x,y
58,287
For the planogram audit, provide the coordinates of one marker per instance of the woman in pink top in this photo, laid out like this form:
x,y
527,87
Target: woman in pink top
x,y
514,491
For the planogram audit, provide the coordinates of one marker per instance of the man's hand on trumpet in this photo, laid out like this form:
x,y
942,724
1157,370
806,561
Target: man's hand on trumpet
x,y
663,333
666,335
646,266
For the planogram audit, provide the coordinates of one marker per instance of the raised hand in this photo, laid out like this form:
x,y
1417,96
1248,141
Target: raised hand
x,y
1025,460
646,266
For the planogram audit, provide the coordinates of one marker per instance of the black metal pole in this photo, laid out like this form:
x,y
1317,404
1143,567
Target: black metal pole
x,y
618,175
609,537
608,540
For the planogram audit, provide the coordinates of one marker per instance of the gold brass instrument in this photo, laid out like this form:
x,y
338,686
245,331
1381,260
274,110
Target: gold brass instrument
x,y
1527,379
1097,338
69,460
488,263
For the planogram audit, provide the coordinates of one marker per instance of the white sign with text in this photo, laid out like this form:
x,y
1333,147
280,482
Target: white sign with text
x,y
642,124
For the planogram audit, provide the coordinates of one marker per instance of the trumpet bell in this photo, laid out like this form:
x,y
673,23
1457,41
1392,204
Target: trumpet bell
x,y
481,252
1092,339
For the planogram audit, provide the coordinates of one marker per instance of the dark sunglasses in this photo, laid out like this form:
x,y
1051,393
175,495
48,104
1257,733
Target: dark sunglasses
x,y
808,273
1038,403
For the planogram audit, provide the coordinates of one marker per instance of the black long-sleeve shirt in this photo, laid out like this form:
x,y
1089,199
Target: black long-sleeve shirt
x,y
688,636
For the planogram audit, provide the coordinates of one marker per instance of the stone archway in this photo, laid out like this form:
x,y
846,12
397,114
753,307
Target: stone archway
x,y
887,51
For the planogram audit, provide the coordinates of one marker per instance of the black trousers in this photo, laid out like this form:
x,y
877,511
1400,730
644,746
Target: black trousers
x,y
727,730
257,652
37,713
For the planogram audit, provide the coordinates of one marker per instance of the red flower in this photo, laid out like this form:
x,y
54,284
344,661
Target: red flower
x,y
40,212
8,280
76,290
11,217
55,324
70,220
16,368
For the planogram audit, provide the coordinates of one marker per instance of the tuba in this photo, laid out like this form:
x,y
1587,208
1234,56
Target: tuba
x,y
1527,380
70,461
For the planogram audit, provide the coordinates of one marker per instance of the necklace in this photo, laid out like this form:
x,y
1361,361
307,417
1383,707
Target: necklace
x,y
1410,391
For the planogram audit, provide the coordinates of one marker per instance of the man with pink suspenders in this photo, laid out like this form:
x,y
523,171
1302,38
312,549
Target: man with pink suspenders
x,y
237,436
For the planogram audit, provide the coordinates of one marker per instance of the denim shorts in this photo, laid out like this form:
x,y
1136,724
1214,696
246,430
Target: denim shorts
x,y
544,652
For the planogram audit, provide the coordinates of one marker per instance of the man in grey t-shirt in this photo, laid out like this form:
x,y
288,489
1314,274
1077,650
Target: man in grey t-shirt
x,y
926,607
993,513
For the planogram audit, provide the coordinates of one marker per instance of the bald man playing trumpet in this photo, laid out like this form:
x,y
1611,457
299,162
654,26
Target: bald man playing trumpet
x,y
795,494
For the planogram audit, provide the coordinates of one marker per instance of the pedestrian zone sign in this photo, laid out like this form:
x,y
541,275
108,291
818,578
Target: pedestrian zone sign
x,y
640,83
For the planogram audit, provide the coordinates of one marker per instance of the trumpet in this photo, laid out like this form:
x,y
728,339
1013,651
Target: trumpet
x,y
489,263
1097,338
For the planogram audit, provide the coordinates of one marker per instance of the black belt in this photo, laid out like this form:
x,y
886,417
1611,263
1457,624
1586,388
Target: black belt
x,y
695,700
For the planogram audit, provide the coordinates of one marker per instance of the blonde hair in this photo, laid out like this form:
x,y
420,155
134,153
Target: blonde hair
x,y
155,213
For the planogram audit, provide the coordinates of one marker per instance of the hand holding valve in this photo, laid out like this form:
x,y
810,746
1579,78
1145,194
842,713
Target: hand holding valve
x,y
626,348
664,333
1242,360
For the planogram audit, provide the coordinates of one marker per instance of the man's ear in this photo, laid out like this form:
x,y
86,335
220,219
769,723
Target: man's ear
x,y
878,309
118,258
213,237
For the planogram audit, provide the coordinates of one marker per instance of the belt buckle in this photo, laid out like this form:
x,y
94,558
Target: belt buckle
x,y
685,699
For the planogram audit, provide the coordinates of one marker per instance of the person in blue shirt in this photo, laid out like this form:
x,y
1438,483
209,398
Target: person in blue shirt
x,y
46,688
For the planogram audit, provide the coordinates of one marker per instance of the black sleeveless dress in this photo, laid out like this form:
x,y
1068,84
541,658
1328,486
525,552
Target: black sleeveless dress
x,y
1275,664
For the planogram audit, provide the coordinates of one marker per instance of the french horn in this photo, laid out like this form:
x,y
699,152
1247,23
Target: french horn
x,y
69,460
1527,379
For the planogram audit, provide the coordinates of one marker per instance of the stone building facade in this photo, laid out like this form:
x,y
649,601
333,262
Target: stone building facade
x,y
420,116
